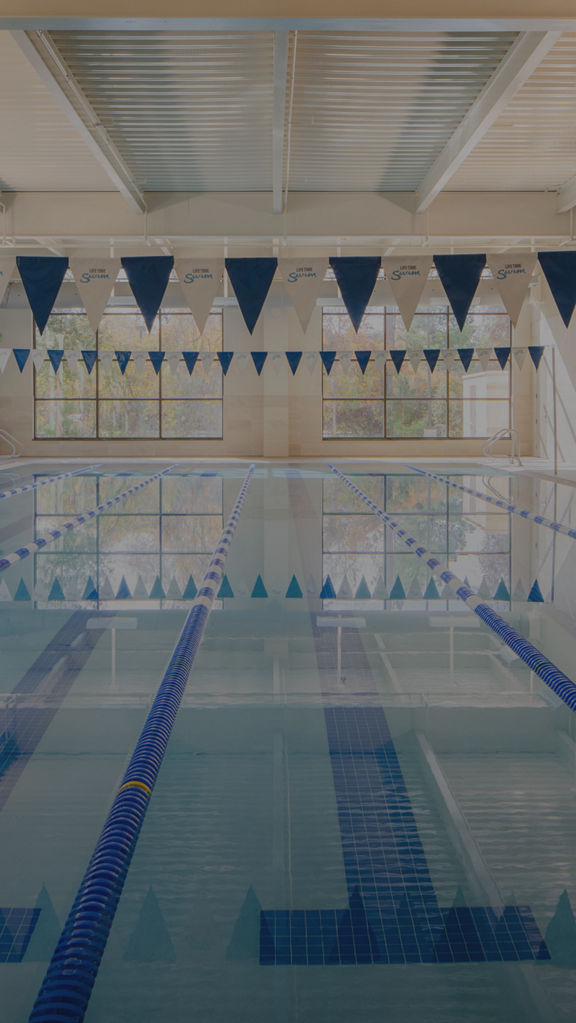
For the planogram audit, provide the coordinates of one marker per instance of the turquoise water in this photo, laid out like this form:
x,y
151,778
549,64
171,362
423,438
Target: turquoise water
x,y
460,791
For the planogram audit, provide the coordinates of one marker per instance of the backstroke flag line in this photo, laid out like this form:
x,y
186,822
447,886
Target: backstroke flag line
x,y
95,279
407,279
303,280
7,268
200,280
512,275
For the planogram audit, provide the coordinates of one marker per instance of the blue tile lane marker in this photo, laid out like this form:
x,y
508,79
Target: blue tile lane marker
x,y
558,527
79,520
392,915
45,482
552,676
68,983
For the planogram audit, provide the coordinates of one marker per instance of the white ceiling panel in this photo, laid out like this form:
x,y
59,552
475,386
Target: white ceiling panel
x,y
39,149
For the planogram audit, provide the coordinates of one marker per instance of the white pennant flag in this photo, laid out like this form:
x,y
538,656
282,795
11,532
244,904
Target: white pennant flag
x,y
512,274
173,358
38,357
200,280
414,359
277,361
483,356
5,354
72,356
520,357
106,359
241,361
311,358
449,360
303,280
139,359
407,277
7,267
94,279
345,359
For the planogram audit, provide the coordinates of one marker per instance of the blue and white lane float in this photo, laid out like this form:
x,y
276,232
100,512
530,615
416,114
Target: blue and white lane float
x,y
553,676
558,527
44,483
54,534
69,979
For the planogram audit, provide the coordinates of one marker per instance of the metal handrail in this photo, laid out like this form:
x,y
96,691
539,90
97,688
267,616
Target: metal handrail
x,y
506,433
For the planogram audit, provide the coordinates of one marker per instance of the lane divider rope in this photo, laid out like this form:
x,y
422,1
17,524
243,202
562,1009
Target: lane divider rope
x,y
70,977
550,674
45,482
54,534
558,527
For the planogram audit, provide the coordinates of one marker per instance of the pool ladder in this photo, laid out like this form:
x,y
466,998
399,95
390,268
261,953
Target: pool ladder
x,y
507,433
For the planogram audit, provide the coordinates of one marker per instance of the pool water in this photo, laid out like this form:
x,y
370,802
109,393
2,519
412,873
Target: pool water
x,y
367,809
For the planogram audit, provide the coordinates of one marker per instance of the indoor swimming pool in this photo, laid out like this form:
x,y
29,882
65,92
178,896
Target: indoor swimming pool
x,y
367,806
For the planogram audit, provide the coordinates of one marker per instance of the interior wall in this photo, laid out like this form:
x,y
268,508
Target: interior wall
x,y
276,415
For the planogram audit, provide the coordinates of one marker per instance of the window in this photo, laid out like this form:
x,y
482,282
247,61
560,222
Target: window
x,y
415,402
137,404
369,567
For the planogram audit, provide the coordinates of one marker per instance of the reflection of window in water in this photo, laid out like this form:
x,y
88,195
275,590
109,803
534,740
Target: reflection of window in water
x,y
368,566
414,402
152,548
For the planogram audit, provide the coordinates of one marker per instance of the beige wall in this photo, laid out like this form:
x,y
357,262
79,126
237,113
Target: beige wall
x,y
273,416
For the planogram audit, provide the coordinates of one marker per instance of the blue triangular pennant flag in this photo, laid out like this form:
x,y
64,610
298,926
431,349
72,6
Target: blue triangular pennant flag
x,y
225,358
259,589
536,353
398,592
90,591
190,358
123,590
363,358
148,278
398,355
259,358
328,360
293,360
356,277
294,589
460,276
157,358
251,279
431,591
190,590
466,356
328,592
225,588
560,272
56,591
502,354
362,593
431,355
535,595
502,592
21,356
89,355
22,592
157,591
42,278
55,355
122,358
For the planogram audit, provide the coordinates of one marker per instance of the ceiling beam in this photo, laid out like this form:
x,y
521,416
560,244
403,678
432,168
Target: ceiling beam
x,y
281,45
523,57
567,195
47,61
